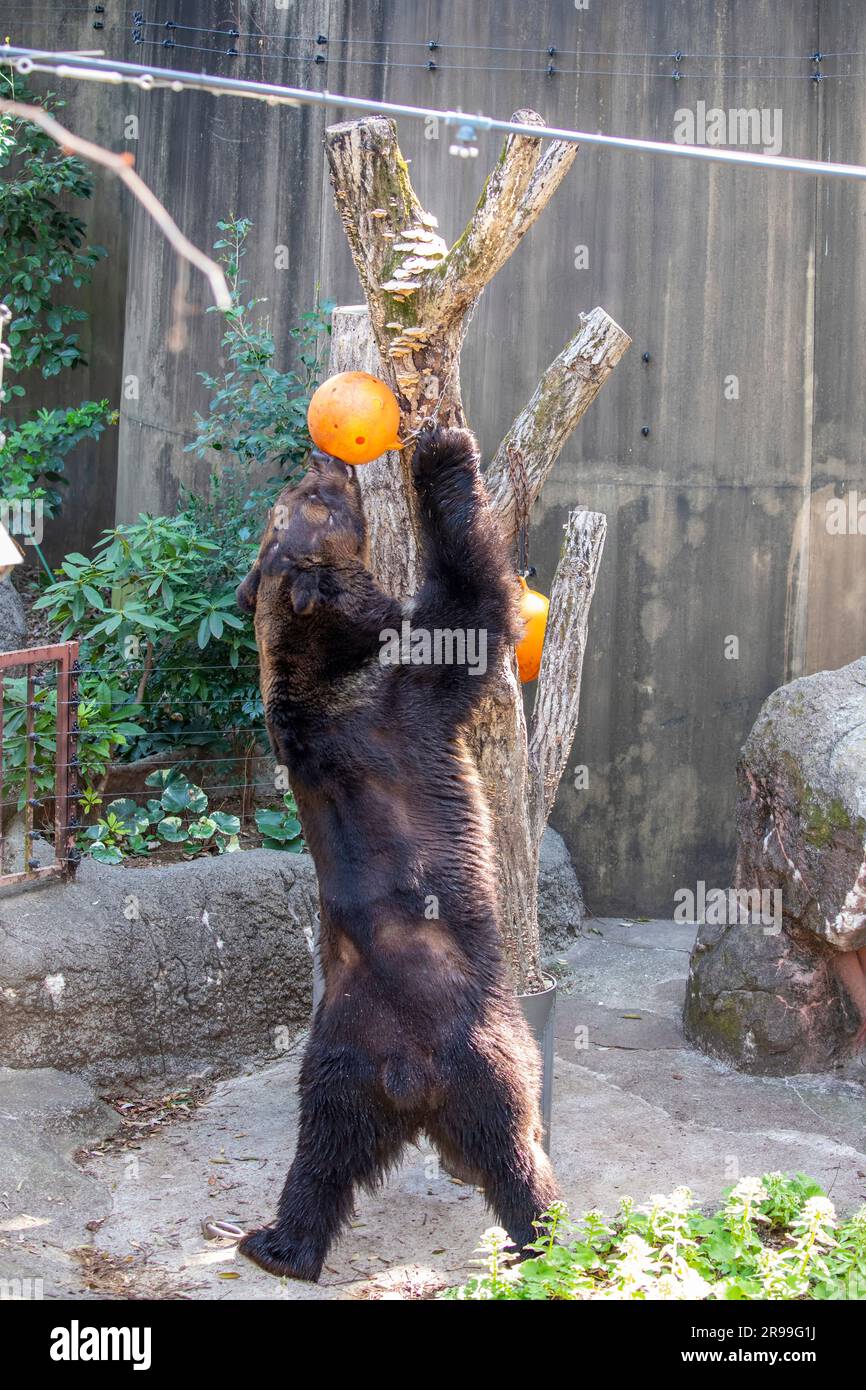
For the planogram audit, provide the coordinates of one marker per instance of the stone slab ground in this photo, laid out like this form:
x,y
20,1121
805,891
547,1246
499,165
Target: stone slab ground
x,y
635,1111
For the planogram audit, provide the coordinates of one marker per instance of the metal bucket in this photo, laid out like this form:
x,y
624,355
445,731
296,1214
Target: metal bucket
x,y
318,975
539,1010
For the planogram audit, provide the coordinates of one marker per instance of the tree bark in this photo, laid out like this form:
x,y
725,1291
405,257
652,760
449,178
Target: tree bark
x,y
420,296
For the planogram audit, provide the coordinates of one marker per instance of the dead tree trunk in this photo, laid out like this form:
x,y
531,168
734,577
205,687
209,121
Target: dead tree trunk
x,y
420,297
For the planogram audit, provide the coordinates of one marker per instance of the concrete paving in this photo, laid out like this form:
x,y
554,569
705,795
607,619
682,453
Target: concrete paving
x,y
635,1112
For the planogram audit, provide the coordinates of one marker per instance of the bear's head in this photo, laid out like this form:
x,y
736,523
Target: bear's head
x,y
314,525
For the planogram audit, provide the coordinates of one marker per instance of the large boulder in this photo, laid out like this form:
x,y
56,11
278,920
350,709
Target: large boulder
x,y
13,623
786,993
560,902
170,969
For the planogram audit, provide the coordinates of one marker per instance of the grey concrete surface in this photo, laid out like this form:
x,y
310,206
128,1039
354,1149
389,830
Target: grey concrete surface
x,y
46,1199
635,1111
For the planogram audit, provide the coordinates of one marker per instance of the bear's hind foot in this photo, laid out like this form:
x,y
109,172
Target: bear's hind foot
x,y
280,1255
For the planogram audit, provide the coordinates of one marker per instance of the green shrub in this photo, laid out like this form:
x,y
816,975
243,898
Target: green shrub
x,y
45,254
167,659
154,610
258,413
107,721
774,1238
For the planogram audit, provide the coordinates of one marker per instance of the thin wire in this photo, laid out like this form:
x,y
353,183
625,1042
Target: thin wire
x,y
435,45
196,762
172,27
193,48
128,671
149,792
552,70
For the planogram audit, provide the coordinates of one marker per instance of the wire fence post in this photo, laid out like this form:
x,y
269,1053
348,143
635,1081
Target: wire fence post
x,y
67,790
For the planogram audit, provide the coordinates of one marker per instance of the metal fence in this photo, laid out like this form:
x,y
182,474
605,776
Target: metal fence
x,y
59,661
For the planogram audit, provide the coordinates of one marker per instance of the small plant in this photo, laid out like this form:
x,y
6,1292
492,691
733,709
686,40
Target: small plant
x,y
774,1238
121,831
785,1196
178,816
281,828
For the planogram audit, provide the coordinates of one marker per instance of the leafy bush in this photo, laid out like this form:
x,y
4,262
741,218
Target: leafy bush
x,y
154,609
281,828
45,252
107,719
167,659
775,1237
258,414
178,816
33,457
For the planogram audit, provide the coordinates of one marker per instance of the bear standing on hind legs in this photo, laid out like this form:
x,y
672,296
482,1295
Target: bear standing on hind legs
x,y
418,1030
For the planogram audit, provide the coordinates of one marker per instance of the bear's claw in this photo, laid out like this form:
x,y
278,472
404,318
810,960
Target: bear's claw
x,y
272,1253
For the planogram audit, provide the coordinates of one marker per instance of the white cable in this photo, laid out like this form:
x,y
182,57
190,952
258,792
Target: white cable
x,y
106,70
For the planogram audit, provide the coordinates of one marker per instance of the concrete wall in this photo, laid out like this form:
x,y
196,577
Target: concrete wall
x,y
717,524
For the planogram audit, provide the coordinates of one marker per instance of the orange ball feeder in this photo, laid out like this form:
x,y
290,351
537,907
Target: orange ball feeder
x,y
355,417
533,611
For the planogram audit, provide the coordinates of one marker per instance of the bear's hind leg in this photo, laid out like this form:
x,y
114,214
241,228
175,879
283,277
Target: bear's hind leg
x,y
347,1137
490,1130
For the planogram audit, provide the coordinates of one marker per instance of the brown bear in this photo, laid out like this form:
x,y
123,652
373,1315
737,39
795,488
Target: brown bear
x,y
419,1030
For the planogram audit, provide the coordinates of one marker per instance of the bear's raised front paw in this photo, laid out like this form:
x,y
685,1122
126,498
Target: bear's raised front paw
x,y
274,1253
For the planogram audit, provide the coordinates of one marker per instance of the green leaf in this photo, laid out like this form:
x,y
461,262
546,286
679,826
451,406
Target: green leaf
x,y
124,809
106,854
202,829
177,796
164,775
171,828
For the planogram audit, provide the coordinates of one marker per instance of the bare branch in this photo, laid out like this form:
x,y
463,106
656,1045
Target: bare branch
x,y
375,200
121,165
517,190
557,700
566,390
500,725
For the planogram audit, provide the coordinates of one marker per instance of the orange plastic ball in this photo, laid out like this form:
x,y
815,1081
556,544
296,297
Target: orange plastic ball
x,y
533,611
355,417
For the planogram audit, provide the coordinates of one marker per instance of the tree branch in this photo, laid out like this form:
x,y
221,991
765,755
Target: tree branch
x,y
516,191
121,165
376,202
557,700
566,390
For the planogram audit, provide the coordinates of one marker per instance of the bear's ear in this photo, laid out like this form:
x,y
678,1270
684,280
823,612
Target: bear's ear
x,y
247,591
306,593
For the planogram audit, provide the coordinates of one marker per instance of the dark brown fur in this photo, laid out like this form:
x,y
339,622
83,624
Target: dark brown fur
x,y
419,1030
